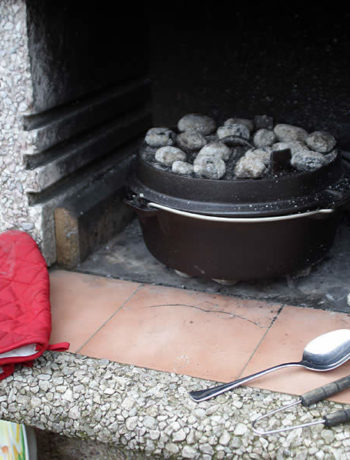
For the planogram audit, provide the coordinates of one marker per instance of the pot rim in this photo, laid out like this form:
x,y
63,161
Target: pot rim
x,y
327,187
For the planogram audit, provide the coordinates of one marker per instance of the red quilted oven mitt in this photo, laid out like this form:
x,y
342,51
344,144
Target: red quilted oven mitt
x,y
25,316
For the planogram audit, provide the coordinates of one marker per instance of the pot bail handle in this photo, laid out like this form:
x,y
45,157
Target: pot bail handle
x,y
246,220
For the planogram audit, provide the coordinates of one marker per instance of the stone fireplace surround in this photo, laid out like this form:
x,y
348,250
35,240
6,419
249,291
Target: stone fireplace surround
x,y
76,97
71,110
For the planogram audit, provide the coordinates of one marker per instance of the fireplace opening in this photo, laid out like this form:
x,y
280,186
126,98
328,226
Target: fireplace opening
x,y
286,63
94,82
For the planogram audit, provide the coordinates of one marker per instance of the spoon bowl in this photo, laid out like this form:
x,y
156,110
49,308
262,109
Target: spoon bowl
x,y
324,353
327,351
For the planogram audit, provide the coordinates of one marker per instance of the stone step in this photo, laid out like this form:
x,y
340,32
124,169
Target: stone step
x,y
43,205
65,159
86,220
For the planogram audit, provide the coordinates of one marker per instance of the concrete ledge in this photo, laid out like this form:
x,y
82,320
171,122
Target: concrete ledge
x,y
150,412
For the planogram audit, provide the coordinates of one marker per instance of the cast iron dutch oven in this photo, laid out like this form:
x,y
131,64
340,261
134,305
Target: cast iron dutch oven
x,y
239,229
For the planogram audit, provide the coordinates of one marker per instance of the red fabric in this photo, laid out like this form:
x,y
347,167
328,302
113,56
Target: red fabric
x,y
6,370
25,316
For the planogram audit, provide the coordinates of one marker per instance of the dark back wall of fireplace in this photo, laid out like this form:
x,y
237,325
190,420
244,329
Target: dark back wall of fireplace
x,y
224,59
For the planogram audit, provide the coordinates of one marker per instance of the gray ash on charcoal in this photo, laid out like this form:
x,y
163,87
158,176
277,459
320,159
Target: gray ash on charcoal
x,y
236,149
159,137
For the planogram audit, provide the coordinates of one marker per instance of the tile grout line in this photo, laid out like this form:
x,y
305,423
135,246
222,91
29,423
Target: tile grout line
x,y
274,319
111,317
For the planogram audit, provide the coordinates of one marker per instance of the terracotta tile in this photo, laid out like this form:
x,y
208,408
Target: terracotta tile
x,y
80,304
285,342
174,330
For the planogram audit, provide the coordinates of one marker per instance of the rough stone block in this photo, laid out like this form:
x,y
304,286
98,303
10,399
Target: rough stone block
x,y
87,221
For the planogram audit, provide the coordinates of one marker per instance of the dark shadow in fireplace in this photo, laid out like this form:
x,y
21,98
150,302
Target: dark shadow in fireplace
x,y
228,58
225,59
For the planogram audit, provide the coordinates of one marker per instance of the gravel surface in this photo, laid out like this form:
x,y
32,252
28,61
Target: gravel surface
x,y
150,413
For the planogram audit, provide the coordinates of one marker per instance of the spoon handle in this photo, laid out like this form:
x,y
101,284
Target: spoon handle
x,y
203,395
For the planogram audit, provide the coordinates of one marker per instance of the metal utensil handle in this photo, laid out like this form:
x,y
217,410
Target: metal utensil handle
x,y
246,220
341,416
321,393
203,395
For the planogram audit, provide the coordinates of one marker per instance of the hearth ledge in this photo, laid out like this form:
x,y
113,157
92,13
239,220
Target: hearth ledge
x,y
142,410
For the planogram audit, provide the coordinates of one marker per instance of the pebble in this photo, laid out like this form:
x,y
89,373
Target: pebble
x,y
194,121
238,404
236,442
154,435
160,137
218,149
241,121
252,167
109,391
290,133
68,395
210,167
167,155
128,403
172,448
321,141
149,422
307,160
44,385
131,423
188,452
190,438
206,449
224,438
35,402
240,429
74,413
179,436
175,426
328,436
211,410
236,129
199,413
264,138
182,167
191,140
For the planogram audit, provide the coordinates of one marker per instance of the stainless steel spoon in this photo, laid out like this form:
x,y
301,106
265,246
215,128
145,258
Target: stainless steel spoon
x,y
323,353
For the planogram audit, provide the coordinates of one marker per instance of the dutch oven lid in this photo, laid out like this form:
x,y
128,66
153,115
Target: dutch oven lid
x,y
326,187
